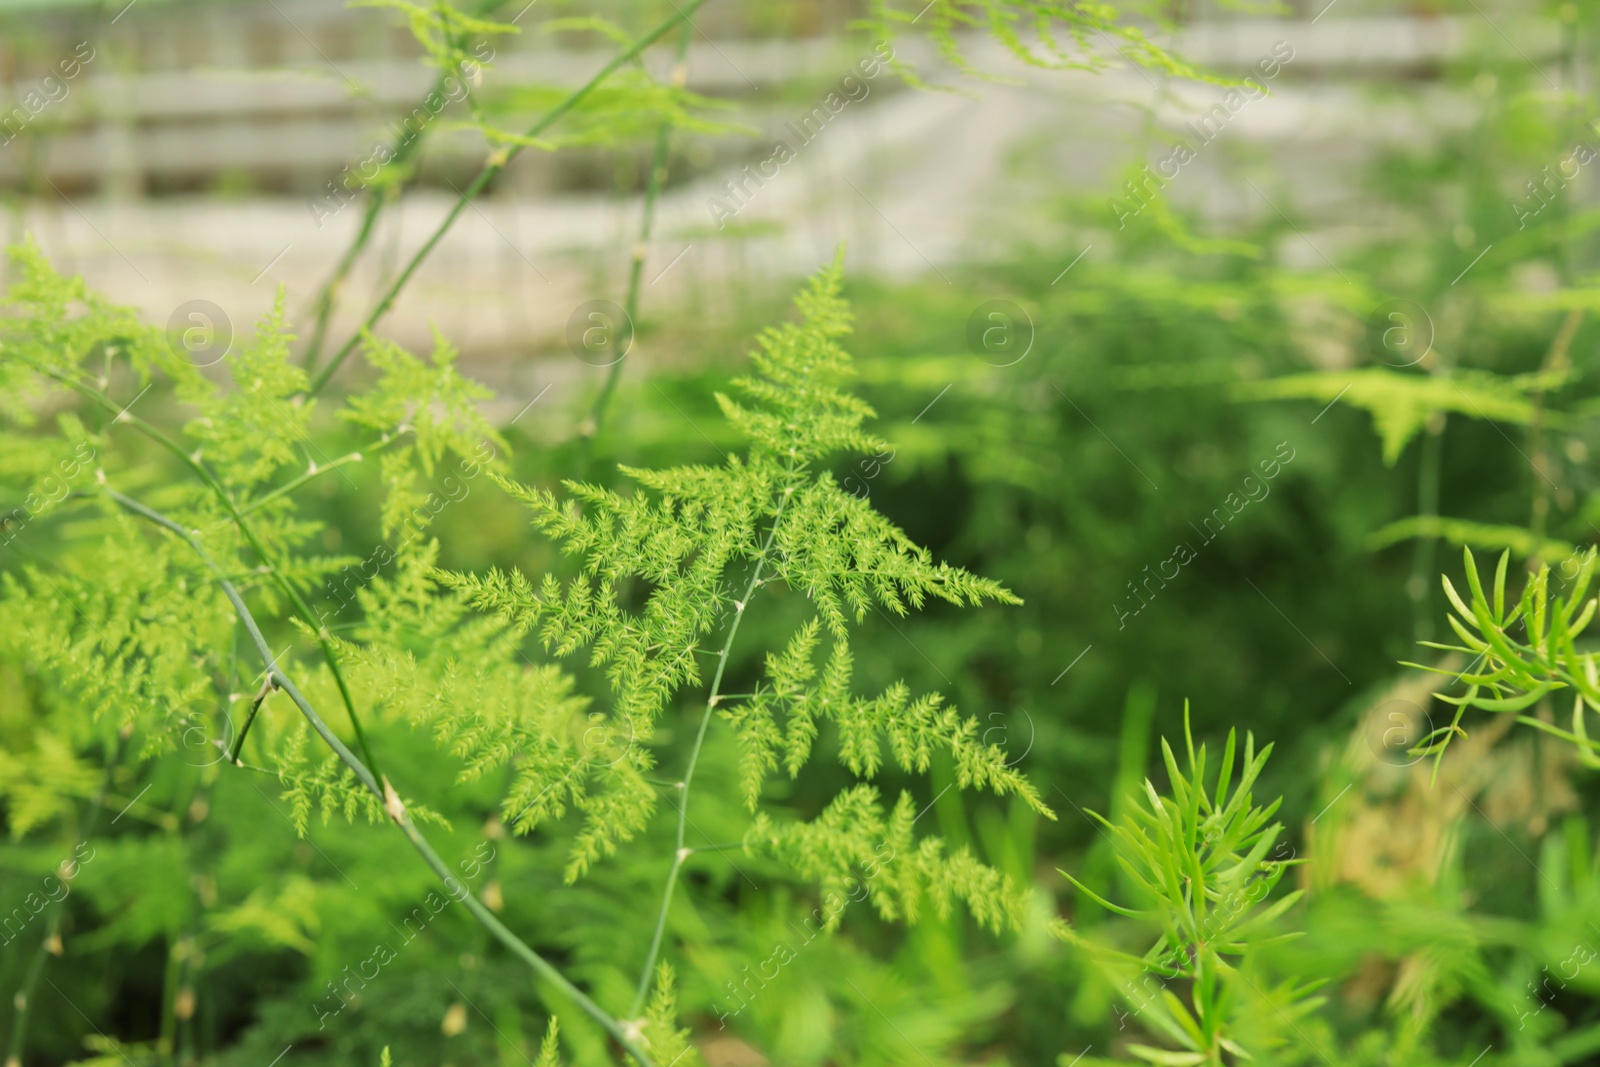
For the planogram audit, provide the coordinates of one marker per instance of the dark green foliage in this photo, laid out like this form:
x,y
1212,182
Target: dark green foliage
x,y
1510,674
1203,864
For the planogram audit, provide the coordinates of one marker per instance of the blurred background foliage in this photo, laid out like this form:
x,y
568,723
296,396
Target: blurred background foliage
x,y
1445,913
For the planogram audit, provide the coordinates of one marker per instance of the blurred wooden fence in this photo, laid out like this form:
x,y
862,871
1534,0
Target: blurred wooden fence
x,y
275,96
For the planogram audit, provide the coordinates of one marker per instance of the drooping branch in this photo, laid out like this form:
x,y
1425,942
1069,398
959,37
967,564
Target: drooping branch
x,y
226,499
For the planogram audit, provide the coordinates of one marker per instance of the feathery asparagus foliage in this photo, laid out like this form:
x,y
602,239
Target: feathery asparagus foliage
x,y
665,575
1041,33
424,657
686,542
428,410
1401,404
1199,860
497,161
630,106
1512,675
441,30
122,632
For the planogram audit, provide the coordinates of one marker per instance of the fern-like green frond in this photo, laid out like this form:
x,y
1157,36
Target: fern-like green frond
x,y
1040,33
630,106
1401,404
43,783
848,558
550,1047
855,853
794,409
284,914
318,782
667,1042
423,657
431,408
253,430
54,322
118,641
442,30
1464,533
672,564
783,716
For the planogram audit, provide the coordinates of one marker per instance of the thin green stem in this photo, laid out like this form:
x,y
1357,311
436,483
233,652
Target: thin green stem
x,y
51,945
249,720
316,472
183,1007
680,853
1556,361
661,915
220,491
328,295
1422,565
258,770
192,947
630,306
166,1037
497,162
385,792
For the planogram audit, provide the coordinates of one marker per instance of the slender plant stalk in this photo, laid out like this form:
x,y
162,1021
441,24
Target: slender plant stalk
x,y
191,949
220,491
183,1007
294,483
1422,581
1555,360
630,306
166,1038
497,162
51,945
386,794
1422,567
680,853
328,295
249,720
177,996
